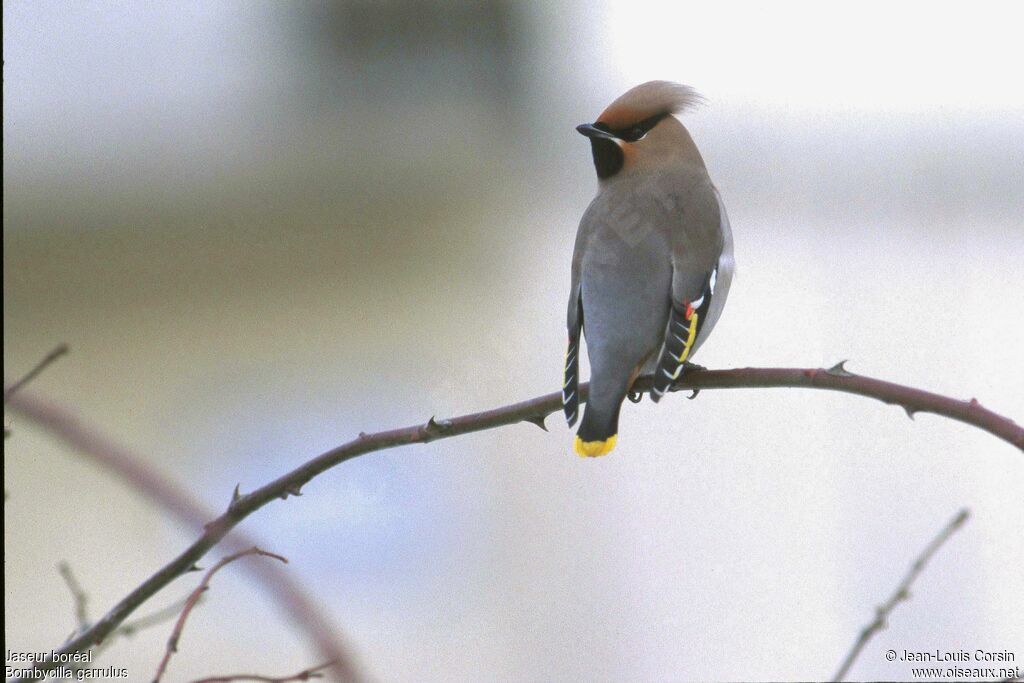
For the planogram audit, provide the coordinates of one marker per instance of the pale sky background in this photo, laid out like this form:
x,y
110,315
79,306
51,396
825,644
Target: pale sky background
x,y
262,231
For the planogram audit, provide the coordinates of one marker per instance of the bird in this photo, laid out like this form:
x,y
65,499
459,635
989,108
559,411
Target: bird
x,y
652,262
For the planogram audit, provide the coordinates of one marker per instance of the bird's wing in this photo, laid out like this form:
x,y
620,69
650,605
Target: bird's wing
x,y
697,243
571,374
574,315
684,324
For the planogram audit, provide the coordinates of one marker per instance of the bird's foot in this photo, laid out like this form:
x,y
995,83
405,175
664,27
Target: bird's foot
x,y
688,367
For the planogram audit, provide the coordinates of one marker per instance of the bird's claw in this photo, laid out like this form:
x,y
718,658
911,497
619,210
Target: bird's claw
x,y
687,367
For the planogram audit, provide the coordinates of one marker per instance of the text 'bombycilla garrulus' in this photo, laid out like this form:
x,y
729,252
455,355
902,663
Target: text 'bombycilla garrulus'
x,y
653,258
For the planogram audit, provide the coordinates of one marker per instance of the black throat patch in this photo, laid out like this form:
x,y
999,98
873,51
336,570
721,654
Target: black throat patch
x,y
608,157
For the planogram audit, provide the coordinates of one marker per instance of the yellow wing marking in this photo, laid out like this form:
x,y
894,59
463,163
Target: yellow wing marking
x,y
691,337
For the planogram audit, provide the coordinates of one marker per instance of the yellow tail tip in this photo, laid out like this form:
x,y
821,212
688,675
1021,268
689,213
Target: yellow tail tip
x,y
592,449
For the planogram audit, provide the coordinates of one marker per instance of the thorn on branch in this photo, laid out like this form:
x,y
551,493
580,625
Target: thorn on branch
x,y
909,411
293,490
537,420
839,369
693,395
635,396
235,495
435,428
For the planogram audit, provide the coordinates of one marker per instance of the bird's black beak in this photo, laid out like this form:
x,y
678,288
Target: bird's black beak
x,y
591,131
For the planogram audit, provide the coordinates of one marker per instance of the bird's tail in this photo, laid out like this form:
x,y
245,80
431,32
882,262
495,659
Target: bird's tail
x,y
598,430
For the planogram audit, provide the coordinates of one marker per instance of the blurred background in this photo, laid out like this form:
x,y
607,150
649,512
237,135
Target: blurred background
x,y
265,227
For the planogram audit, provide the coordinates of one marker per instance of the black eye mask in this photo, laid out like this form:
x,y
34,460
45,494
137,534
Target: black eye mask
x,y
608,157
634,132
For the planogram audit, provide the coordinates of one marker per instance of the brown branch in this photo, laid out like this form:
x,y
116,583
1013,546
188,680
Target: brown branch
x,y
193,599
838,378
11,389
533,411
305,675
902,592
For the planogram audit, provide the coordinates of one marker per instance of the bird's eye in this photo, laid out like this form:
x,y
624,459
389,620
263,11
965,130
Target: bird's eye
x,y
634,133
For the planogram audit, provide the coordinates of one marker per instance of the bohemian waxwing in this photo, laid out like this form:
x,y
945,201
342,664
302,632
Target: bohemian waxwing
x,y
653,258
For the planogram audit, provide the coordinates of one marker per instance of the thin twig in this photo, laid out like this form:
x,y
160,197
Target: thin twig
x,y
305,675
126,629
142,477
78,594
11,389
130,628
533,411
902,592
193,598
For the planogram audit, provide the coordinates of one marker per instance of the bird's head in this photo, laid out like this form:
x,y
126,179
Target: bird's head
x,y
638,130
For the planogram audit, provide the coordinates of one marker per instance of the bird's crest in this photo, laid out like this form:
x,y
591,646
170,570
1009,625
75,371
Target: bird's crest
x,y
652,98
